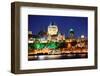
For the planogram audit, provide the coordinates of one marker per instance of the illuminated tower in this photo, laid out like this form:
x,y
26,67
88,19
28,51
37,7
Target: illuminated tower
x,y
71,31
82,36
52,29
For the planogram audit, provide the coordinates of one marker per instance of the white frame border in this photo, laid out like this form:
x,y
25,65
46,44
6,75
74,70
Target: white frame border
x,y
25,64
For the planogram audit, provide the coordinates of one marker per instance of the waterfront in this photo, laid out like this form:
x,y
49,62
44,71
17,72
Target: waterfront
x,y
63,56
53,43
57,54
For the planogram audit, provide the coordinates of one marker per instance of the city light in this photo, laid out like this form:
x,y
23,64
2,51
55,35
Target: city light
x,y
53,42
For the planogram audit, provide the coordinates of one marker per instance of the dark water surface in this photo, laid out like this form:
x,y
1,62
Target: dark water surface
x,y
51,57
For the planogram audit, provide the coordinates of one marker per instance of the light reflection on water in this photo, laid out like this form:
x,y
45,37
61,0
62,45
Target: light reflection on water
x,y
49,57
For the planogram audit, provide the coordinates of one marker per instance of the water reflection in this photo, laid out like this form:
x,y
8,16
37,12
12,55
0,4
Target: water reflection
x,y
50,57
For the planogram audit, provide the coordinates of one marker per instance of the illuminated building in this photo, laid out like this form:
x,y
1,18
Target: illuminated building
x,y
53,34
30,37
71,31
60,37
82,36
52,29
53,41
43,40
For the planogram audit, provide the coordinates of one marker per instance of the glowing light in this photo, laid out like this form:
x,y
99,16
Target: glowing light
x,y
82,36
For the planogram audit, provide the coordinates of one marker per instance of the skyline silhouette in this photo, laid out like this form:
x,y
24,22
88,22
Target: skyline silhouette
x,y
36,23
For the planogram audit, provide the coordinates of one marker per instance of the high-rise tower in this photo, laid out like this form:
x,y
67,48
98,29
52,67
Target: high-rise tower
x,y
71,32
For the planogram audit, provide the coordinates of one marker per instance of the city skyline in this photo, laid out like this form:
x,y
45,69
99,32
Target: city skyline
x,y
57,37
37,23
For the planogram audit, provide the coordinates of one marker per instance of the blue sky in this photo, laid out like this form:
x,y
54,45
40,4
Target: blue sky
x,y
37,23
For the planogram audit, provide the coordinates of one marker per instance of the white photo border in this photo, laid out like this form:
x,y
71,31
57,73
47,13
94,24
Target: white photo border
x,y
25,64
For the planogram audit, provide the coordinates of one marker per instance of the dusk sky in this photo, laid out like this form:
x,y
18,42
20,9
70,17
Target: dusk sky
x,y
37,23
